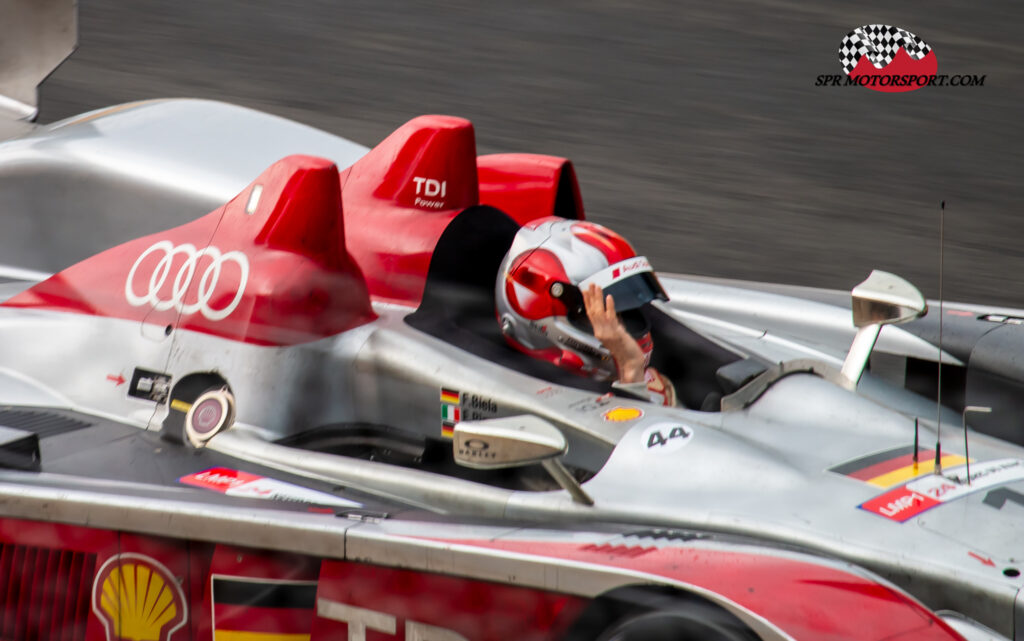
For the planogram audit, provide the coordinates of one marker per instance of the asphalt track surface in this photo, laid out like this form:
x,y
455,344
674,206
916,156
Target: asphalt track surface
x,y
696,128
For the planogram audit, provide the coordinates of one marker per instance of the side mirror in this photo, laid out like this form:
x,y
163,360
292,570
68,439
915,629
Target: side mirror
x,y
515,441
886,298
882,299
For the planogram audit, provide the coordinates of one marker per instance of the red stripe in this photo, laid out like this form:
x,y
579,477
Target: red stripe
x,y
249,619
613,246
878,469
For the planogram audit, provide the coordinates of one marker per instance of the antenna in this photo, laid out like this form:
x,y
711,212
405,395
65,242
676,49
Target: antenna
x,y
938,395
915,439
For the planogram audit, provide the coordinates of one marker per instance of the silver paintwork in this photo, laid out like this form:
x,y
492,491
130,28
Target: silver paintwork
x,y
566,481
969,630
758,469
779,324
122,172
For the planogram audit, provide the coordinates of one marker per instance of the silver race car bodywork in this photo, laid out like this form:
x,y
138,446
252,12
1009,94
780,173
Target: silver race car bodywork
x,y
355,364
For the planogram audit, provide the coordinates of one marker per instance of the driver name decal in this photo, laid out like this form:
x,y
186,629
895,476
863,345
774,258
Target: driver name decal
x,y
665,438
460,406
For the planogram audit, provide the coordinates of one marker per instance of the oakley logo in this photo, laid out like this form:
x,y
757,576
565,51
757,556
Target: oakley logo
x,y
154,291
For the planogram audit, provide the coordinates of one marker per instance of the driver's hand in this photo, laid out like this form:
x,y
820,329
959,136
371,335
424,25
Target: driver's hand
x,y
629,358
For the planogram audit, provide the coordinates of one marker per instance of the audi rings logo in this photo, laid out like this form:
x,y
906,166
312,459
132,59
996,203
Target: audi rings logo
x,y
209,264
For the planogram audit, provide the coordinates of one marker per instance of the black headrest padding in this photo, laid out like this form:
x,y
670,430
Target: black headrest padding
x,y
688,359
458,301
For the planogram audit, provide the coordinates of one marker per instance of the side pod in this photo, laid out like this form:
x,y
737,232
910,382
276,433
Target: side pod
x,y
528,186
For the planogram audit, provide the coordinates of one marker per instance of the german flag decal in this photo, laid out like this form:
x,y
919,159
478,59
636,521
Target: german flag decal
x,y
451,411
892,467
262,610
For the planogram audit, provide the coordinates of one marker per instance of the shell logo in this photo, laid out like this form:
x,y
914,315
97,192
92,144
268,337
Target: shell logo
x,y
622,414
138,599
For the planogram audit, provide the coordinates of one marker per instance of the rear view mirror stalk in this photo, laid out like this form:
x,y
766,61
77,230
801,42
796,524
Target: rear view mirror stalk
x,y
566,481
882,299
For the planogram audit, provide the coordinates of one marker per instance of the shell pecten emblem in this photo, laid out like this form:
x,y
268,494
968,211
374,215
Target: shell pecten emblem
x,y
138,599
621,414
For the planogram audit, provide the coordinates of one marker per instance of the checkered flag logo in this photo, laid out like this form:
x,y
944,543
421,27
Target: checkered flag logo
x,y
879,42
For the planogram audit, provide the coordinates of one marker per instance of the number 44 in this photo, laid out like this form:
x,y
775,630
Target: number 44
x,y
657,438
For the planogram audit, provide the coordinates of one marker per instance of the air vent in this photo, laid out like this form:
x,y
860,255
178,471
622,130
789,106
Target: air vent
x,y
40,423
46,593
19,449
669,535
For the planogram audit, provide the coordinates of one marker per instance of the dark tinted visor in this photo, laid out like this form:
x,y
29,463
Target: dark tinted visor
x,y
634,320
635,291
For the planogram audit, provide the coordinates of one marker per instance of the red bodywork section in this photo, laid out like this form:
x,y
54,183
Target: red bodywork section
x,y
808,601
53,587
477,610
529,186
614,247
304,264
269,269
400,197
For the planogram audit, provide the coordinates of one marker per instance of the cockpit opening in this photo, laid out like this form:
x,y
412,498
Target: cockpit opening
x,y
459,307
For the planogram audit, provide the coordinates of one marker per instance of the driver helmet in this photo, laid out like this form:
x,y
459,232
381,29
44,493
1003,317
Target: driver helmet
x,y
539,292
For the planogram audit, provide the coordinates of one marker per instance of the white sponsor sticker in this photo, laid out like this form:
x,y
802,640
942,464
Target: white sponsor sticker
x,y
243,484
616,272
953,482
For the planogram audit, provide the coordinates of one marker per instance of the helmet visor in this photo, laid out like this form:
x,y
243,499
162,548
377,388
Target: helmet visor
x,y
630,282
634,320
635,291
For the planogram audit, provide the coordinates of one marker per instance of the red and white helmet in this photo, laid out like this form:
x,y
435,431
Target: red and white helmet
x,y
539,299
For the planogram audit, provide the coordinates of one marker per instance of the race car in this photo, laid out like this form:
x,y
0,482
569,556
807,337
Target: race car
x,y
280,312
